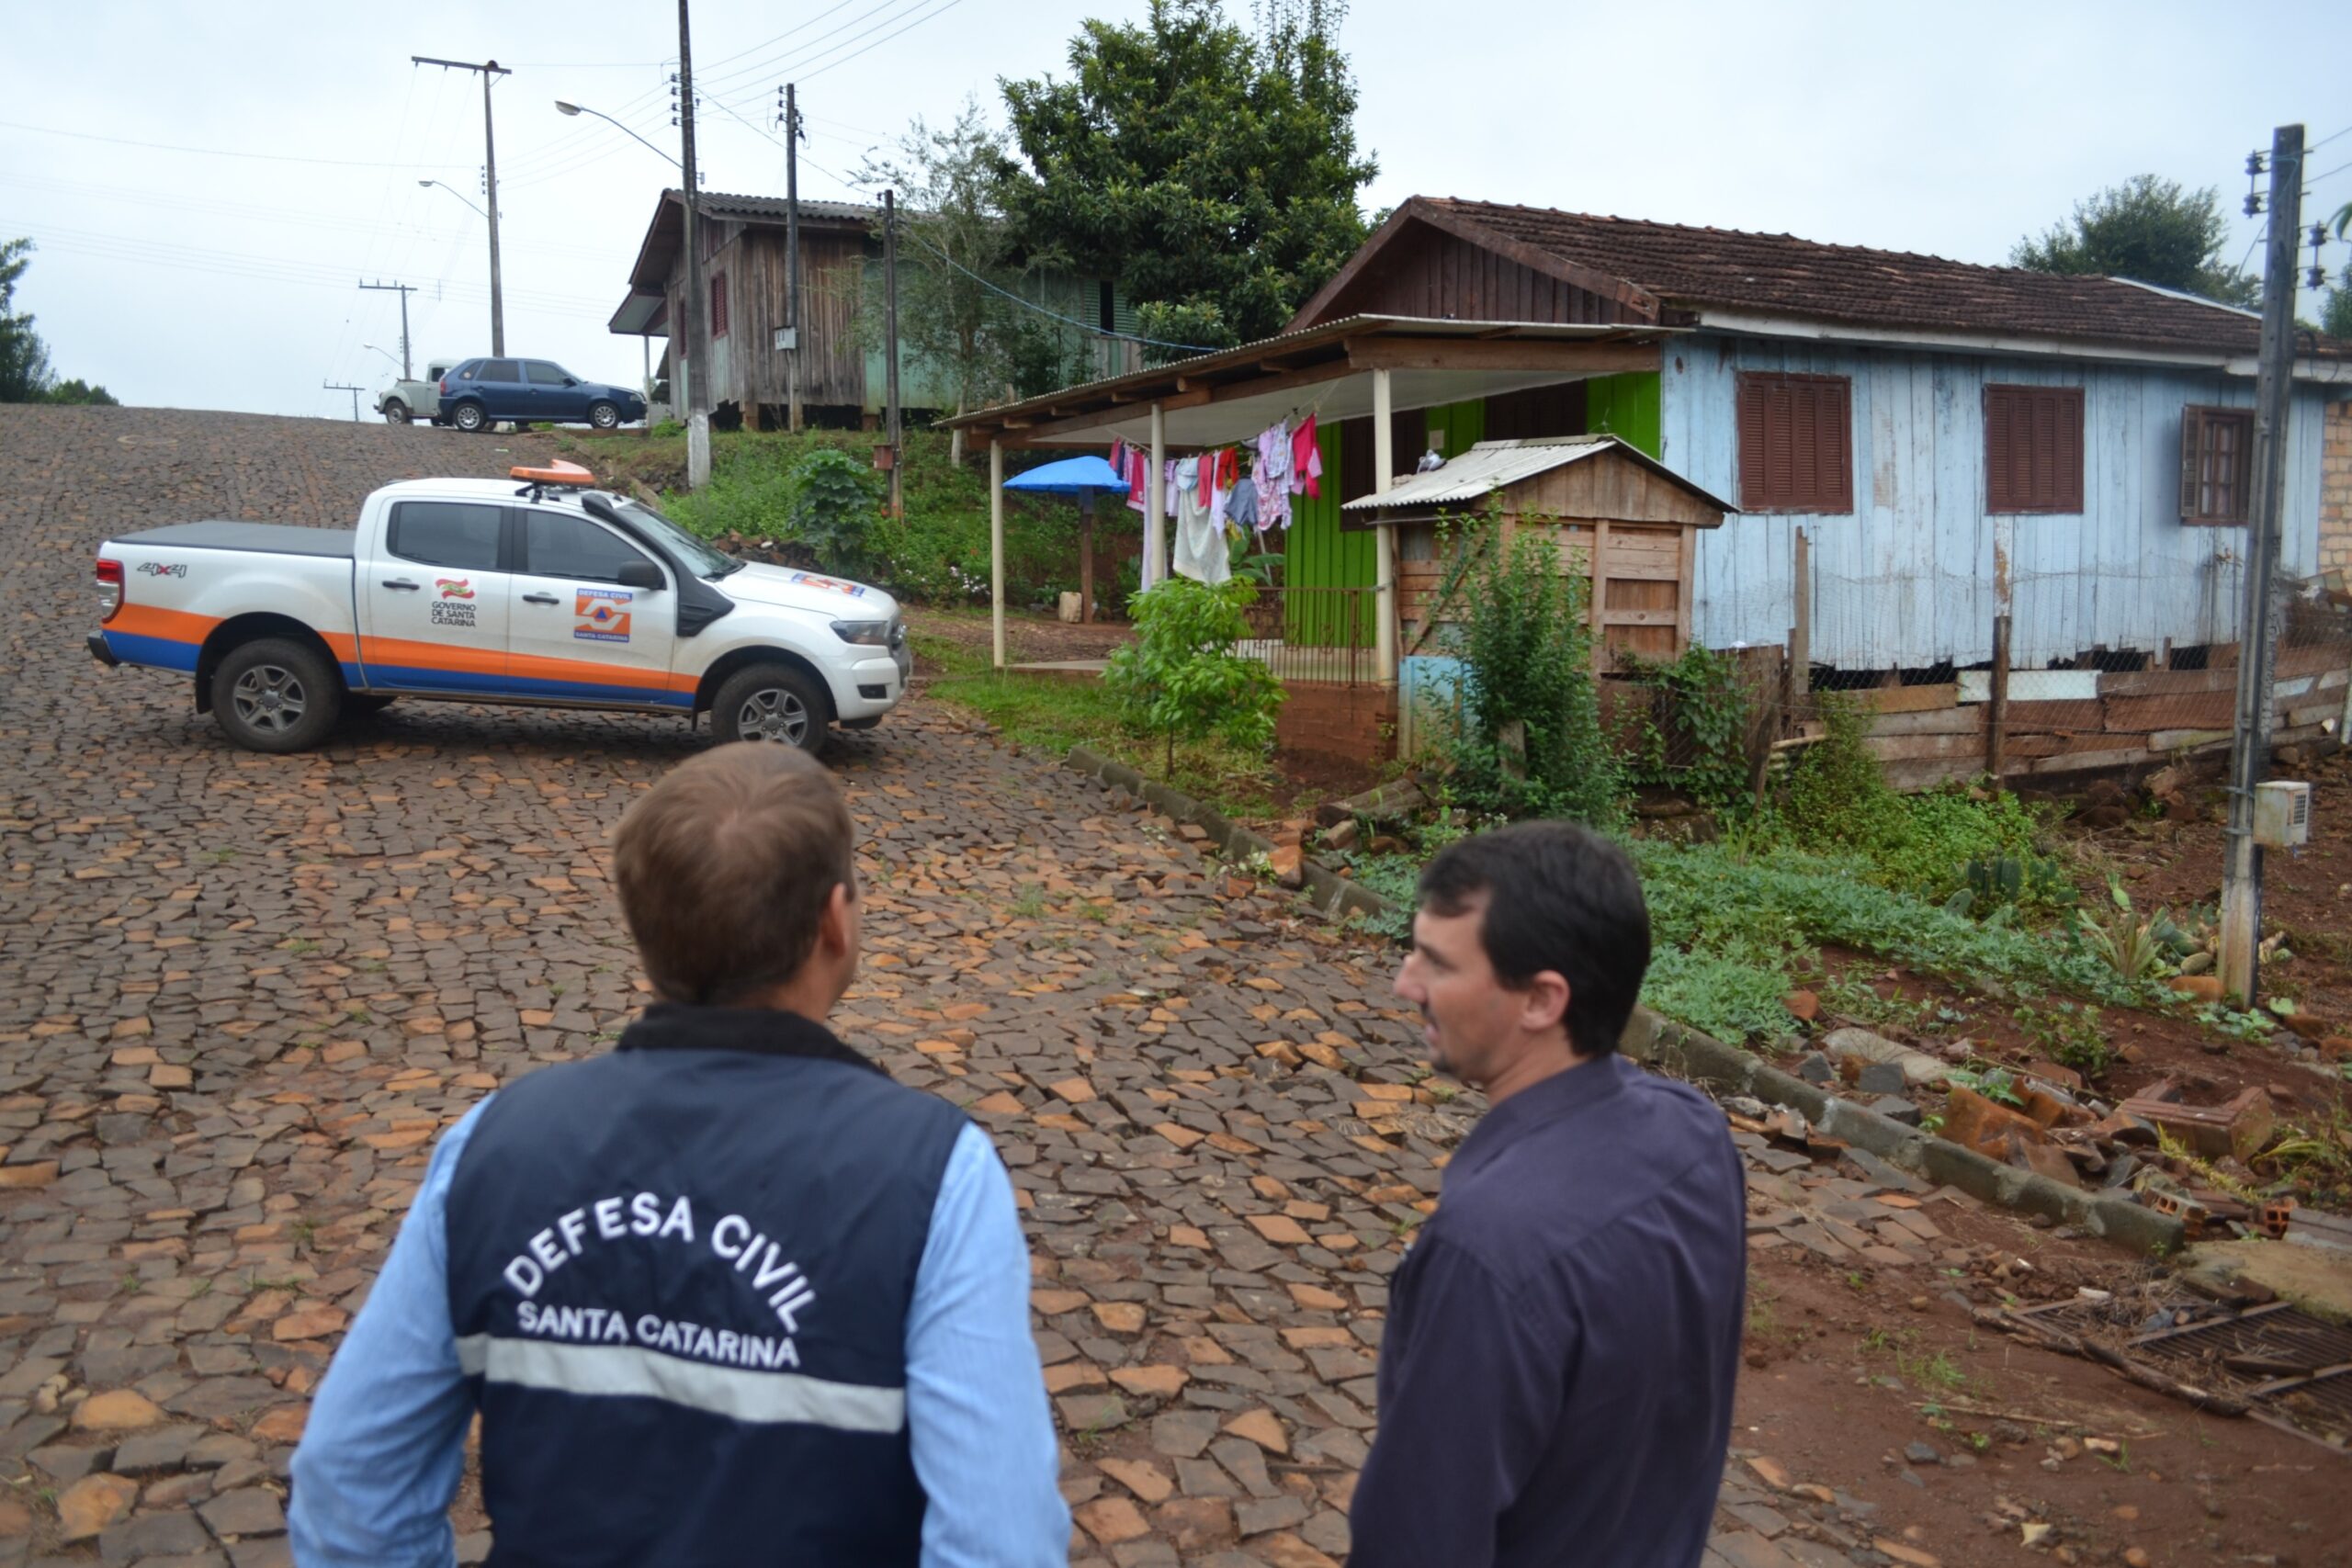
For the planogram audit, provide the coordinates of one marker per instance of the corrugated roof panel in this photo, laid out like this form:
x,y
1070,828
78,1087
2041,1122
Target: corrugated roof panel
x,y
1491,465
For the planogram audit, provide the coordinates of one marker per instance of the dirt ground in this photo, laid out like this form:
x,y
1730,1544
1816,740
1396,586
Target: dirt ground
x,y
1847,1369
1028,638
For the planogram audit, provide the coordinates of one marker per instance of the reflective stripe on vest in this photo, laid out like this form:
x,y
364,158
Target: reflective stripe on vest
x,y
739,1393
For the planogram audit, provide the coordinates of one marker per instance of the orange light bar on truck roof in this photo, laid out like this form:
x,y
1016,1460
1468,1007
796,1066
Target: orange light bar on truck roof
x,y
556,473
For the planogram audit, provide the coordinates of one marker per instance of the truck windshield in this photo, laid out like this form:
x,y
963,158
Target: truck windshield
x,y
699,557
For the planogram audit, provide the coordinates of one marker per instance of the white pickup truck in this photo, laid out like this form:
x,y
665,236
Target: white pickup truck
x,y
535,590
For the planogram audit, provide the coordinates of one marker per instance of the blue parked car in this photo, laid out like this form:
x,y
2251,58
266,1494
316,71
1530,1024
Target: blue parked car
x,y
480,392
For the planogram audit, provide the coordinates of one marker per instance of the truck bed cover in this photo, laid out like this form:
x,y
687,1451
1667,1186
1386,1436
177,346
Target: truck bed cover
x,y
276,538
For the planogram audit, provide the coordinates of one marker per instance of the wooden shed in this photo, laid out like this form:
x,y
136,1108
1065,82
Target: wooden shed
x,y
1620,519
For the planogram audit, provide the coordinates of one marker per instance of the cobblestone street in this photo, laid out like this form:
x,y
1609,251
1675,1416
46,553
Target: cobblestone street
x,y
241,995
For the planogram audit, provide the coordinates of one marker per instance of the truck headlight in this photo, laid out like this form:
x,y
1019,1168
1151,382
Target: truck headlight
x,y
867,634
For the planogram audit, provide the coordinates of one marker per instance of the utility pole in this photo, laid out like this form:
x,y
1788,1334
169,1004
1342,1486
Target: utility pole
x,y
490,71
792,251
403,290
696,367
340,387
890,341
2257,640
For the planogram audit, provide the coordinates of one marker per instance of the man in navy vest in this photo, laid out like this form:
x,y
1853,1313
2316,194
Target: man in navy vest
x,y
727,1295
1562,1337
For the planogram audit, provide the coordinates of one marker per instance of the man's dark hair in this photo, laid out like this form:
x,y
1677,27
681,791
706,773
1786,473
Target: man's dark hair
x,y
724,869
1559,898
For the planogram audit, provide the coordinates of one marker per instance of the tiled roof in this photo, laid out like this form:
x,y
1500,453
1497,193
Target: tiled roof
x,y
1780,275
772,209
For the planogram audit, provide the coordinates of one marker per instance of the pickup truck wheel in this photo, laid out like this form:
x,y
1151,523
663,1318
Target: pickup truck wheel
x,y
604,416
276,696
468,417
395,412
770,702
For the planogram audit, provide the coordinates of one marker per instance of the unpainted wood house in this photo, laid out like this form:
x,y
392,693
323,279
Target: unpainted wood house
x,y
842,373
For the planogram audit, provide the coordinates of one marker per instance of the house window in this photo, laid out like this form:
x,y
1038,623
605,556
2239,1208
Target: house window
x,y
2216,464
2034,449
718,304
1796,451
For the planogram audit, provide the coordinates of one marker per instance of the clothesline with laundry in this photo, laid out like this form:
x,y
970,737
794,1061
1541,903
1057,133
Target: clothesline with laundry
x,y
1226,492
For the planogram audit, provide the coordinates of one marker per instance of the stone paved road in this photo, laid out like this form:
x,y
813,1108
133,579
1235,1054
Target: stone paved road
x,y
241,995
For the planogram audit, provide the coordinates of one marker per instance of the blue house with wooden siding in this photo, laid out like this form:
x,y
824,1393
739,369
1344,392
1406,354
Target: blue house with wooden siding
x,y
1916,446
1952,441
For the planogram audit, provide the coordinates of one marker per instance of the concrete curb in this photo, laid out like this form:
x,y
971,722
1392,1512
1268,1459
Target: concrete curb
x,y
1660,1040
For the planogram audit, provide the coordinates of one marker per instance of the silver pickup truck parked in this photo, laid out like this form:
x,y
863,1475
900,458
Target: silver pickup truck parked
x,y
543,591
406,400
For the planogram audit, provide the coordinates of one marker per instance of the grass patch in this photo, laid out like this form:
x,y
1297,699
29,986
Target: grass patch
x,y
1054,714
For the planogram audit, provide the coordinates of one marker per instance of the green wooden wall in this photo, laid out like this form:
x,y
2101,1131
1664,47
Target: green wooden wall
x,y
1317,555
1625,406
1454,428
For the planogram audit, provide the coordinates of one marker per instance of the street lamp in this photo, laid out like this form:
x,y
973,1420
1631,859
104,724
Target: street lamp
x,y
576,109
386,353
453,190
497,310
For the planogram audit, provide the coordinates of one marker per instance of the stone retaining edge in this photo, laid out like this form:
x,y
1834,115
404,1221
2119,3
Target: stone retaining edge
x,y
1652,1038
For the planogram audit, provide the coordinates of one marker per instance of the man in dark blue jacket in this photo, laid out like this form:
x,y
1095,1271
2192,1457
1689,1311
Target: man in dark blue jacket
x,y
1563,1337
727,1295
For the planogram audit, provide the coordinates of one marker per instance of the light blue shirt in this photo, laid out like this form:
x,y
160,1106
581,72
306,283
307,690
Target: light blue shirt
x,y
385,1444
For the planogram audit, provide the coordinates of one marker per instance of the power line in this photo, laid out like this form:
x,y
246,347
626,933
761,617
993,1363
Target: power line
x,y
218,151
878,43
794,61
2325,139
765,67
1031,304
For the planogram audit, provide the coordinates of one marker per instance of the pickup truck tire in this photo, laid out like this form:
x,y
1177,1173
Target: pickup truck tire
x,y
395,412
770,702
276,695
603,415
469,418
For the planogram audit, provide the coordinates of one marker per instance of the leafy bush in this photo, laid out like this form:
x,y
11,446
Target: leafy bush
x,y
1531,740
1702,748
1181,674
830,505
1936,844
1725,997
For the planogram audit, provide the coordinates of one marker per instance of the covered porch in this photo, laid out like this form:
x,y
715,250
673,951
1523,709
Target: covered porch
x,y
1334,619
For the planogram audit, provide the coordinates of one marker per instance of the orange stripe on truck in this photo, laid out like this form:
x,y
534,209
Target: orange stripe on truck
x,y
153,620
538,667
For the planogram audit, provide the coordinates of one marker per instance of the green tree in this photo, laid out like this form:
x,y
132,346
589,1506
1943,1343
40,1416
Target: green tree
x,y
1212,171
956,253
1182,674
2336,312
2149,229
76,391
24,358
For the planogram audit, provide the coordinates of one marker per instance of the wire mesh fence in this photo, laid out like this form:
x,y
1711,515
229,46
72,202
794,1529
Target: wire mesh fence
x,y
2042,722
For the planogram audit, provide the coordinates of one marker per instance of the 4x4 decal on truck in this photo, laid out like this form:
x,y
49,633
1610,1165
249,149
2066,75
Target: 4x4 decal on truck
x,y
603,614
160,568
455,607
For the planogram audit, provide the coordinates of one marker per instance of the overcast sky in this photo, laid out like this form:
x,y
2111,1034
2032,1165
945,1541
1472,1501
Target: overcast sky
x,y
234,170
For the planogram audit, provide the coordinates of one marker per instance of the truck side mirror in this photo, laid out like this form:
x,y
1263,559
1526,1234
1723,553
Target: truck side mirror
x,y
641,575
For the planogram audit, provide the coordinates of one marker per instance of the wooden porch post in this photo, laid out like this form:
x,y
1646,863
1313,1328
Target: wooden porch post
x,y
1155,503
1383,535
996,545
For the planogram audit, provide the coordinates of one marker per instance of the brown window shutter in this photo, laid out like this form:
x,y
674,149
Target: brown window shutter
x,y
2067,414
1751,446
1999,496
2192,429
1795,450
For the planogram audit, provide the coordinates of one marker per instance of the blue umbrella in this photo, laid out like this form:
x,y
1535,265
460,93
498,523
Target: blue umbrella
x,y
1071,476
1084,478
